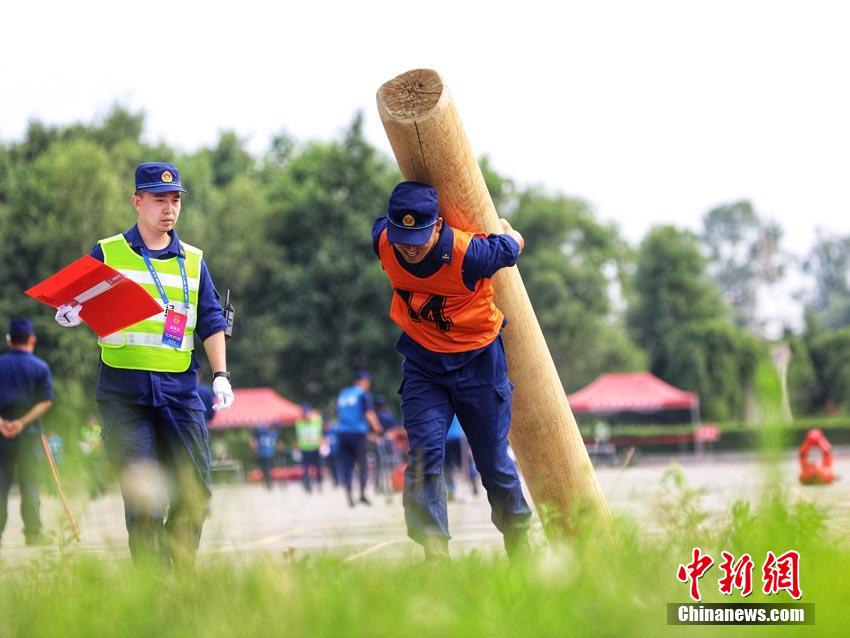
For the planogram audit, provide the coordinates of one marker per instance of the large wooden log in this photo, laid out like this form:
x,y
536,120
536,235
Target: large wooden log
x,y
431,146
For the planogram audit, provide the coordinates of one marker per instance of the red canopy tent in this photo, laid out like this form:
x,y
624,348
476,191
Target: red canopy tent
x,y
253,406
632,392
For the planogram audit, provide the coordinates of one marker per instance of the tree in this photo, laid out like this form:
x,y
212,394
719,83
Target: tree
x,y
325,297
570,266
58,206
671,289
679,316
829,264
716,360
830,356
744,257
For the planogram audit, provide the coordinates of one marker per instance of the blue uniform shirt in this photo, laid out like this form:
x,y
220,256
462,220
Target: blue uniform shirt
x,y
266,437
24,381
351,407
484,257
158,389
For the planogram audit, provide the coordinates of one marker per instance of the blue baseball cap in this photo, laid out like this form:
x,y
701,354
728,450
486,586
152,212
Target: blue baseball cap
x,y
21,326
362,374
158,177
412,212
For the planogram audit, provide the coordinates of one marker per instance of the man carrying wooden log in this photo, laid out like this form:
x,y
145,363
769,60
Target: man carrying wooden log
x,y
454,361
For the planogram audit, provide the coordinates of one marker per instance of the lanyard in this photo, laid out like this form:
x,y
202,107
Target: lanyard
x,y
147,257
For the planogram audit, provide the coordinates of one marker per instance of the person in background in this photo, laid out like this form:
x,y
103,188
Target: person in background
x,y
356,413
386,452
264,445
26,394
330,450
385,413
308,431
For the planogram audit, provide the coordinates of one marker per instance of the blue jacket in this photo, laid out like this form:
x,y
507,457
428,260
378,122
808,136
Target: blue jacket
x,y
24,381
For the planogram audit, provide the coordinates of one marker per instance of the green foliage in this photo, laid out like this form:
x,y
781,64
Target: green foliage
x,y
679,509
571,266
58,206
802,382
287,233
830,355
324,295
586,586
744,253
829,264
678,315
716,360
671,289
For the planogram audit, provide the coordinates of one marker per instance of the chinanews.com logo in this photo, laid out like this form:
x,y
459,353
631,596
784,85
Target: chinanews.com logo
x,y
779,573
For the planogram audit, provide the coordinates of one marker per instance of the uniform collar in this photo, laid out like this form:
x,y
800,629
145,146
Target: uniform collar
x,y
442,251
134,238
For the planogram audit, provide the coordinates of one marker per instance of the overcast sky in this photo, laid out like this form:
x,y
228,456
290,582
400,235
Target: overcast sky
x,y
653,111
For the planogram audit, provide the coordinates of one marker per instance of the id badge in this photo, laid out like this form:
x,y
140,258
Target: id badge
x,y
175,328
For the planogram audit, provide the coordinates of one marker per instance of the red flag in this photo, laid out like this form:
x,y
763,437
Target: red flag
x,y
110,301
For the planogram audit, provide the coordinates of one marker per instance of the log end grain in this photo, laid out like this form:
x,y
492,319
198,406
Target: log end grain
x,y
411,95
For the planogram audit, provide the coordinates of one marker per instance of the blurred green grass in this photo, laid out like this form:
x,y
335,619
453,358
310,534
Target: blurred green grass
x,y
591,585
588,586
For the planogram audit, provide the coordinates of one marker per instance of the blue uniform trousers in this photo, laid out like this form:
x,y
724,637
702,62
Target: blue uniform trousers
x,y
144,443
352,451
479,392
19,455
311,459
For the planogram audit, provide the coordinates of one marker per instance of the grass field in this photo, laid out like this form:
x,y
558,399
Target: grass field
x,y
589,586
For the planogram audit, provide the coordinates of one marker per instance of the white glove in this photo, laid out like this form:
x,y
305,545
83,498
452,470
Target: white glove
x,y
68,316
223,394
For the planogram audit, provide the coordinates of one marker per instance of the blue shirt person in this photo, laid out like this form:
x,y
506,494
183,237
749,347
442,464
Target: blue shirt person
x,y
355,413
147,394
264,444
454,360
26,393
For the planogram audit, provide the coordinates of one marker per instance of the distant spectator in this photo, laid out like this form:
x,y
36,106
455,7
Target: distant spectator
x,y
264,445
356,414
308,430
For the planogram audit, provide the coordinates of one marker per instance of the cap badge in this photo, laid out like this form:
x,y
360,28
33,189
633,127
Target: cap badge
x,y
167,177
408,220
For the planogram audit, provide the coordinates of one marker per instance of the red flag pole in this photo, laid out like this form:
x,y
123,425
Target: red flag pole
x,y
55,473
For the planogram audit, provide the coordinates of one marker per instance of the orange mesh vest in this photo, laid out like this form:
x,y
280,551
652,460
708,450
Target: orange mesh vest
x,y
439,312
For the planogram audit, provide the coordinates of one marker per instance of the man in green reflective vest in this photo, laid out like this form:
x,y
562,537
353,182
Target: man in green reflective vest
x,y
154,429
308,430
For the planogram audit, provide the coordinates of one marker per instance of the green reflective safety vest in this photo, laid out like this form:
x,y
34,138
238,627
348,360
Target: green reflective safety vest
x,y
309,433
140,347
